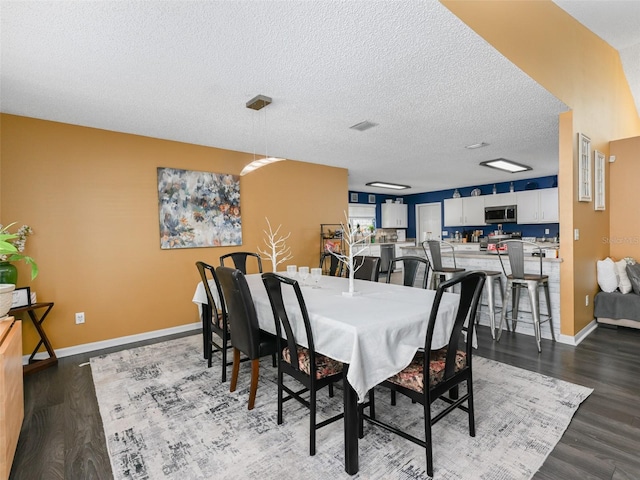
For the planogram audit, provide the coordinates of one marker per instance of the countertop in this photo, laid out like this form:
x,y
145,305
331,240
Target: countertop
x,y
481,254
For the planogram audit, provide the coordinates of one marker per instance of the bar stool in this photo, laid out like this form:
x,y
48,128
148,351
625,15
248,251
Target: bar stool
x,y
518,280
440,273
493,278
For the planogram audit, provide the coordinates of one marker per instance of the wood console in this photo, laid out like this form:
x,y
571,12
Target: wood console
x,y
11,392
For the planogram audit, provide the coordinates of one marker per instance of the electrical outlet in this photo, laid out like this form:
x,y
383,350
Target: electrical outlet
x,y
586,300
546,231
79,318
445,233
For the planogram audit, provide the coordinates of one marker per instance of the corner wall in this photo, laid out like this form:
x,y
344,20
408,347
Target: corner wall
x,y
585,73
91,197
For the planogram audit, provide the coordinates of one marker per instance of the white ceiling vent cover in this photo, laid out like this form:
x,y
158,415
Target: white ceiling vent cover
x,y
362,126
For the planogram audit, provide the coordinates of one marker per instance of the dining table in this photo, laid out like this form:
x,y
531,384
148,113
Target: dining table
x,y
375,332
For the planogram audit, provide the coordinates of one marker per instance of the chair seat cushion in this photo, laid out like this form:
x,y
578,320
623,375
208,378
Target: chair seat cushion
x,y
219,321
412,376
325,366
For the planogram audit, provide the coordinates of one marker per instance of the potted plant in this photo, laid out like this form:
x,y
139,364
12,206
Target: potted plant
x,y
11,248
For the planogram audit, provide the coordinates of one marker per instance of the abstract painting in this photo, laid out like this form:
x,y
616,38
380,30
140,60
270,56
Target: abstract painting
x,y
198,209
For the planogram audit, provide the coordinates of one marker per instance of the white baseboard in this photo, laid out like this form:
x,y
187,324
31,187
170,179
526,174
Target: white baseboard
x,y
115,342
582,334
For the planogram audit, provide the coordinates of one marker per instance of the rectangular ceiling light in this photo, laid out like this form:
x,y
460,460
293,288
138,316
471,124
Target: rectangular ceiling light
x,y
506,165
393,186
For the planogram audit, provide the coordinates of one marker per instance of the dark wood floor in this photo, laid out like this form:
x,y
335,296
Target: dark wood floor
x,y
62,436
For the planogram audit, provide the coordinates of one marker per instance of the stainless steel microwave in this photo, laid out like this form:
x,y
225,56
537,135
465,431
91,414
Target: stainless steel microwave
x,y
503,214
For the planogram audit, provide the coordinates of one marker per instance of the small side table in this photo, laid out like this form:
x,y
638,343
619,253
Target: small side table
x,y
36,365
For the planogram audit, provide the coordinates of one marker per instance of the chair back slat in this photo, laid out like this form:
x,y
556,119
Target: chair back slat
x,y
239,260
471,284
436,254
209,272
274,284
241,310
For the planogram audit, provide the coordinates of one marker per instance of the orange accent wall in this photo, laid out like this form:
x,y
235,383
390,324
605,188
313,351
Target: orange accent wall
x,y
624,175
585,73
91,197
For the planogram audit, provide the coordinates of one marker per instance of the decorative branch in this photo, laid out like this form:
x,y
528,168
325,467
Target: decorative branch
x,y
356,246
278,252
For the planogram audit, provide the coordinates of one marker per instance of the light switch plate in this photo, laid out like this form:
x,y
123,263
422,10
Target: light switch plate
x,y
445,233
576,234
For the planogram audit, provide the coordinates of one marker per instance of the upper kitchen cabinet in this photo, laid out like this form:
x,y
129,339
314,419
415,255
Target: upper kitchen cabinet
x,y
395,215
500,200
464,211
359,210
538,206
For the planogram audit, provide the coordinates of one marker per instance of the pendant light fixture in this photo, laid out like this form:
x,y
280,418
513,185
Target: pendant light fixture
x,y
258,103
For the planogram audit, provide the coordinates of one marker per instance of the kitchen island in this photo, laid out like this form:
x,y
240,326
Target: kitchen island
x,y
481,260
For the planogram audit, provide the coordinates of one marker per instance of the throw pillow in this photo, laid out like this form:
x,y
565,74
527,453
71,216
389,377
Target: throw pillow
x,y
607,275
624,284
633,271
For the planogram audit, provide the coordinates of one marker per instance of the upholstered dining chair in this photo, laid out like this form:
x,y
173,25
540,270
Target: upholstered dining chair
x,y
239,260
313,370
411,268
437,374
366,268
247,336
214,318
516,281
440,272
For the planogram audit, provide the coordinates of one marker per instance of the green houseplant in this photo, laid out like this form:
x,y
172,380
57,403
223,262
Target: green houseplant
x,y
12,246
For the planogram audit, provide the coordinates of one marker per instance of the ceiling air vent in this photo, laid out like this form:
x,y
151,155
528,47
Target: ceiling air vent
x,y
362,126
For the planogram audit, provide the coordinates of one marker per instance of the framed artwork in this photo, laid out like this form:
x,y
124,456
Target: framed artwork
x,y
21,297
372,199
584,168
198,209
354,198
598,175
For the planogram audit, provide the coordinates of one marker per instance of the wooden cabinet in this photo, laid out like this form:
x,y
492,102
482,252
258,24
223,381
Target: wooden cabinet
x,y
538,206
395,215
11,392
467,211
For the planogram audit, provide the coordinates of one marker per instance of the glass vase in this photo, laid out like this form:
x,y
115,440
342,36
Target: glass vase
x,y
8,273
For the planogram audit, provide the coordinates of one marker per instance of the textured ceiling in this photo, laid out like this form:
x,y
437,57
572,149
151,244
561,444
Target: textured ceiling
x,y
184,71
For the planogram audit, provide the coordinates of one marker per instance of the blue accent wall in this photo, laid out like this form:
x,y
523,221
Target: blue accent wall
x,y
528,230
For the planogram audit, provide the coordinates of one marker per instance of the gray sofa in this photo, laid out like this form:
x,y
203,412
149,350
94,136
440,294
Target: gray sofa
x,y
621,309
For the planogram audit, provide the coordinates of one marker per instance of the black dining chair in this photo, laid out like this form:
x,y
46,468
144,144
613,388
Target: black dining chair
x,y
313,370
335,265
214,318
239,260
447,367
247,336
366,268
411,267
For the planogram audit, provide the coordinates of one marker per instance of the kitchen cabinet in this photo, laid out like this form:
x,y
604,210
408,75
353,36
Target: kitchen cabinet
x,y
395,215
357,210
500,199
464,211
538,206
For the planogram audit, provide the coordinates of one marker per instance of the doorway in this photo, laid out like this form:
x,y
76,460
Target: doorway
x,y
428,222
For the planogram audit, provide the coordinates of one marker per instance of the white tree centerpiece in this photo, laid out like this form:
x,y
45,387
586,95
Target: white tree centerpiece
x,y
356,244
277,251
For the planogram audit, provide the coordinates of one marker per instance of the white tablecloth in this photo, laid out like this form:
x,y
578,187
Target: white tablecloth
x,y
376,332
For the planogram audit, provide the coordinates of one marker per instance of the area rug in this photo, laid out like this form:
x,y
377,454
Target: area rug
x,y
167,416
